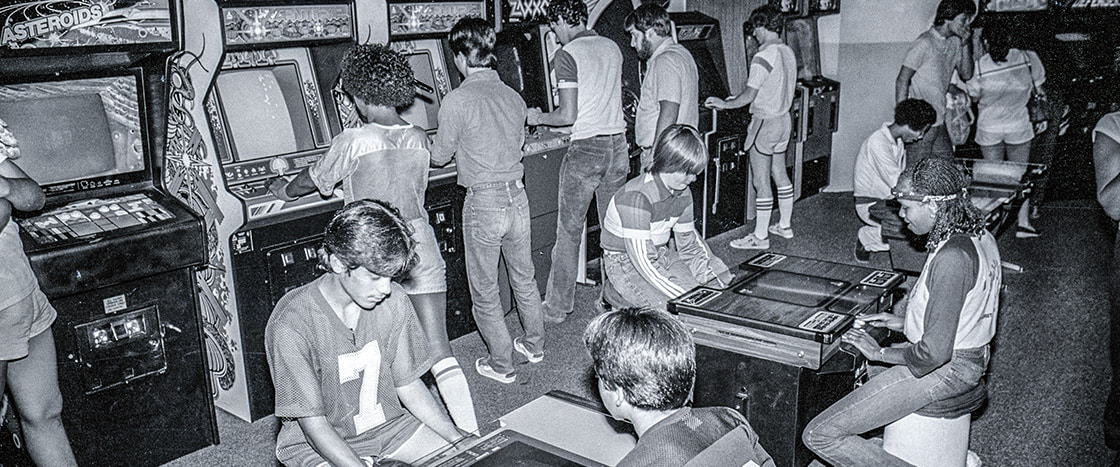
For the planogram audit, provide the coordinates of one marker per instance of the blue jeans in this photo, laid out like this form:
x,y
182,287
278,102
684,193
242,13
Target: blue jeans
x,y
593,166
496,223
834,434
624,287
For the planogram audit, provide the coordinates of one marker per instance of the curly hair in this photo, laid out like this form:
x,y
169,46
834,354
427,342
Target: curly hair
x,y
377,75
647,353
371,234
573,12
944,182
914,113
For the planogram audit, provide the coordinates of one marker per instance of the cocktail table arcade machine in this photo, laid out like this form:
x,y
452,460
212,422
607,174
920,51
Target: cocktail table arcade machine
x,y
769,345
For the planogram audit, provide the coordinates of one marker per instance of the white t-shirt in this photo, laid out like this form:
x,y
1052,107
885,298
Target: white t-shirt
x,y
773,73
879,163
1003,89
1108,125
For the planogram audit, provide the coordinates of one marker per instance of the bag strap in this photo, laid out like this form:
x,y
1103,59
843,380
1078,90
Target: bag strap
x,y
1027,59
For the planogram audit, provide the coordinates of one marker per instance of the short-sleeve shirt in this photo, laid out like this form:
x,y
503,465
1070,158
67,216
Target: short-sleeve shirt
x,y
1108,125
322,368
671,76
482,125
17,281
879,163
644,209
1004,89
686,433
933,58
773,73
592,64
373,161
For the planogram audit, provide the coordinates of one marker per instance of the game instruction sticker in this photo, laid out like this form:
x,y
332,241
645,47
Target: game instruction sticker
x,y
822,321
880,278
766,260
699,297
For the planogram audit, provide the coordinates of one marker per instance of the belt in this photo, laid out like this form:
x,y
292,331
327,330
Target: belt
x,y
496,185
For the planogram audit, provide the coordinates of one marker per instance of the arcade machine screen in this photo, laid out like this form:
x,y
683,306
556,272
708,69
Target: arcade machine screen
x,y
424,111
265,112
76,134
524,55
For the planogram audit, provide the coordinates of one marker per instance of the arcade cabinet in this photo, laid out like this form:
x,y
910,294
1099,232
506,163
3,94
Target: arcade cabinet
x,y
720,196
769,345
84,91
252,106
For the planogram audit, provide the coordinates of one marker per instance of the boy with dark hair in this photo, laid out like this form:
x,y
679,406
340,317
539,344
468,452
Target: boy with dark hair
x,y
588,72
346,351
670,92
1106,164
645,363
770,85
880,162
640,266
482,125
928,68
387,158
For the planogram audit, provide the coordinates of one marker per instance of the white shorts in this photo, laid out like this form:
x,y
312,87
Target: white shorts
x,y
429,274
769,136
992,138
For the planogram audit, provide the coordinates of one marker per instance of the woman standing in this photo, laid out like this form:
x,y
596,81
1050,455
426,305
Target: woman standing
x,y
1002,85
950,318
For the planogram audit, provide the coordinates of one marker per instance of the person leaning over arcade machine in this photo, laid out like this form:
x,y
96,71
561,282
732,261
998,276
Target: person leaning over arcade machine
x,y
770,88
879,163
928,68
482,125
589,73
950,319
28,366
670,91
641,266
645,364
387,159
347,350
1106,161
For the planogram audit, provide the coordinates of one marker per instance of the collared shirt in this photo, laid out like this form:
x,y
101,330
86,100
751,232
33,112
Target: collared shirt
x,y
644,209
482,125
933,58
592,64
672,77
879,163
773,73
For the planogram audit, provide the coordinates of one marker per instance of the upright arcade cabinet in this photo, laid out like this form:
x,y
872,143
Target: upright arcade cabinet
x,y
84,91
252,100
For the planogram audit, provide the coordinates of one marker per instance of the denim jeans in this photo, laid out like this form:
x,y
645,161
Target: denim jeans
x,y
496,223
593,166
834,434
624,287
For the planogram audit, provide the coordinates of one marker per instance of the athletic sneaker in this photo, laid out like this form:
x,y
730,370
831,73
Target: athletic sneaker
x,y
482,365
519,346
784,232
751,242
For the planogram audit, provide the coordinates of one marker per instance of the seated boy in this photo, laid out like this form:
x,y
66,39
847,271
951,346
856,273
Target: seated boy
x,y
347,350
645,362
640,265
880,161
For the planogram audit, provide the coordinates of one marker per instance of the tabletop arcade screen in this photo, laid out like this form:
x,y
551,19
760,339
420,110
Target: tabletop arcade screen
x,y
76,133
510,448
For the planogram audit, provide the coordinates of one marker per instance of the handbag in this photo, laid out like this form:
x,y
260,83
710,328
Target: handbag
x,y
1038,106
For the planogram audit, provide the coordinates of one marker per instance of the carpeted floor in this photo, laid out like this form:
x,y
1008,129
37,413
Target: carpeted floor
x,y
1049,369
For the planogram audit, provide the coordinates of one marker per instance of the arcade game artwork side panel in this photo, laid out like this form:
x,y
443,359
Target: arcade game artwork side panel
x,y
83,90
255,105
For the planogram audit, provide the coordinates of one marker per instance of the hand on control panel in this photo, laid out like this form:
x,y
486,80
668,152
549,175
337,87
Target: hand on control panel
x,y
279,188
533,117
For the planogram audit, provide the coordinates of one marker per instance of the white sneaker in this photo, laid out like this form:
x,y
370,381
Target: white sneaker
x,y
483,367
751,242
519,346
973,460
784,232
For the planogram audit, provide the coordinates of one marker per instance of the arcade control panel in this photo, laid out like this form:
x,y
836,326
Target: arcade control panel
x,y
94,216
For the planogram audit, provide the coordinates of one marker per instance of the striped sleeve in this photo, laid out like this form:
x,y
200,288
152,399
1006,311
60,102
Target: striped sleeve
x,y
566,72
635,215
638,250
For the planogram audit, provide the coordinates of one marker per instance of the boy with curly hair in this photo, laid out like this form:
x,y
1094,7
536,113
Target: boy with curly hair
x,y
387,159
